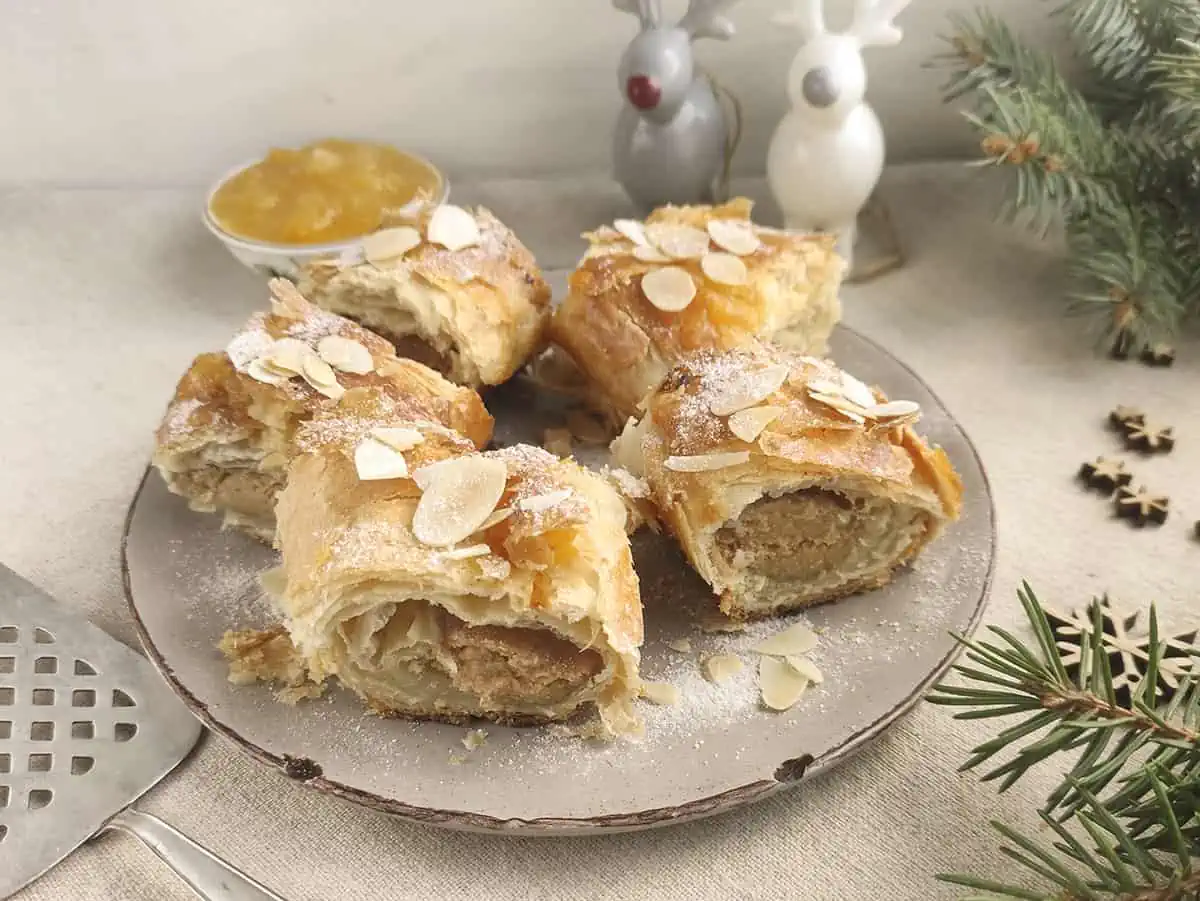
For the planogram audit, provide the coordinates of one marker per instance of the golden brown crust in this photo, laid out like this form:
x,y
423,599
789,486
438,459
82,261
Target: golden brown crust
x,y
224,429
479,312
810,445
625,344
564,567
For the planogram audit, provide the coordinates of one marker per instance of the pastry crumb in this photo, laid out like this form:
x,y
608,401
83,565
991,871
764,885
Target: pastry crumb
x,y
662,693
268,655
682,645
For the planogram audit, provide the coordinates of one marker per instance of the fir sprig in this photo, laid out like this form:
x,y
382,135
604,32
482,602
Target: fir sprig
x,y
1125,818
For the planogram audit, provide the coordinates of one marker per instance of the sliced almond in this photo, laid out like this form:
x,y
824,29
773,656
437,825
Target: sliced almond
x,y
662,693
748,424
632,229
318,373
841,405
748,388
856,391
735,235
720,667
724,268
458,495
374,461
390,243
670,288
626,448
679,241
682,645
806,668
587,428
260,371
707,462
781,686
452,227
649,254
540,502
466,553
895,409
288,355
345,354
333,392
794,641
398,438
497,516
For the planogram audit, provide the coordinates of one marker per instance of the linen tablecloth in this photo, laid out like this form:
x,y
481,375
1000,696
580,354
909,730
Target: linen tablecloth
x,y
107,294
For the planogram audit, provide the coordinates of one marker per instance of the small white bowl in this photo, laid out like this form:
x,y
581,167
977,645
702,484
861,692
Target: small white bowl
x,y
285,260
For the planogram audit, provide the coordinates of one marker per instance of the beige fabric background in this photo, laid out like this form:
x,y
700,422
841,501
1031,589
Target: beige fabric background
x,y
106,295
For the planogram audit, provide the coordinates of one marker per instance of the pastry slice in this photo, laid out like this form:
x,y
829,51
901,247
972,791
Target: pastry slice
x,y
443,584
787,481
690,278
226,438
452,288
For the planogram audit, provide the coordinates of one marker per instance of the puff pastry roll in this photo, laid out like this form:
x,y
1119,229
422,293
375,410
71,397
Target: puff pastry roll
x,y
447,584
787,481
451,288
691,278
227,435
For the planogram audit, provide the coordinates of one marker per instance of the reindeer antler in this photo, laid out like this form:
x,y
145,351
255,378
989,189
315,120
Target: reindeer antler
x,y
648,12
807,16
873,25
704,19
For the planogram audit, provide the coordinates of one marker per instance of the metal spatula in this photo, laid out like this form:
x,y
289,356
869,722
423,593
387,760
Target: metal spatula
x,y
86,727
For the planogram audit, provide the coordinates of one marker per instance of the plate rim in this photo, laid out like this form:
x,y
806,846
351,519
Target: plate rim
x,y
788,774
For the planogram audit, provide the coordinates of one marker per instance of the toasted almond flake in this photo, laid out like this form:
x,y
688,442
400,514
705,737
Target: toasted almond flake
x,y
261,372
458,495
707,462
841,405
857,392
452,227
662,693
626,448
390,243
374,461
747,389
318,373
288,355
670,288
345,354
399,438
497,516
632,229
735,235
466,553
648,254
333,392
720,667
475,739
748,424
781,686
287,301
724,268
557,441
794,641
806,668
824,386
540,502
679,241
895,409
587,428
682,645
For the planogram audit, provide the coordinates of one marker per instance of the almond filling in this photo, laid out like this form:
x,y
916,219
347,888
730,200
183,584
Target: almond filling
x,y
811,541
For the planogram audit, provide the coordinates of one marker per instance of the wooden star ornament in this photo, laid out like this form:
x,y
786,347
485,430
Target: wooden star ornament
x,y
1141,506
1105,475
1123,416
1128,653
1158,355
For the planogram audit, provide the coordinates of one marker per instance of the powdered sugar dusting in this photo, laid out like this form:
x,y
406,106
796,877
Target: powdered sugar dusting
x,y
250,343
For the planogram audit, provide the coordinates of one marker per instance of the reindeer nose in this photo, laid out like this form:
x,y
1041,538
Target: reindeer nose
x,y
819,87
643,91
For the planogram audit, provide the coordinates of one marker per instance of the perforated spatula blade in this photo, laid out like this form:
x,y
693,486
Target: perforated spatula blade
x,y
86,727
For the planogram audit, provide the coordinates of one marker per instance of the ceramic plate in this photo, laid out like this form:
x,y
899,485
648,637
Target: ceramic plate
x,y
188,581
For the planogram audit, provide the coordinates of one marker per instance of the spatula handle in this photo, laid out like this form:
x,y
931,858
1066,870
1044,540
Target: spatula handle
x,y
209,877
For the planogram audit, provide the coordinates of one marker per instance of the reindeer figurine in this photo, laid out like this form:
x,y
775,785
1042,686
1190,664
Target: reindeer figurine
x,y
827,153
672,141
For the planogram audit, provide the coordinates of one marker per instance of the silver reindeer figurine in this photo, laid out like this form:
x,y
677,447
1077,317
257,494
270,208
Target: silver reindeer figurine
x,y
672,143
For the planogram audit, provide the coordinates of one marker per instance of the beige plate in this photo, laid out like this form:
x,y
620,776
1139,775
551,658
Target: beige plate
x,y
188,582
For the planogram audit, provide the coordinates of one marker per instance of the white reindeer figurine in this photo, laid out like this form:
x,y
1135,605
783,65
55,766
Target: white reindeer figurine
x,y
827,153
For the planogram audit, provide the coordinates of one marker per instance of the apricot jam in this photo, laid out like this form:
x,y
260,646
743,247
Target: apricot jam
x,y
330,190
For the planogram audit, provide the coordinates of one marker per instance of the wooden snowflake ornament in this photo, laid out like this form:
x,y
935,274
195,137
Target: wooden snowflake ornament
x,y
1128,654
